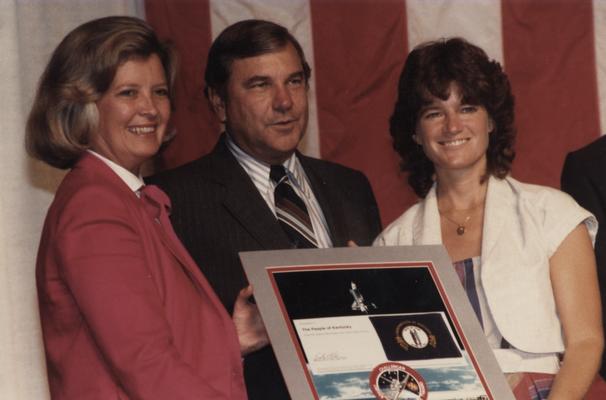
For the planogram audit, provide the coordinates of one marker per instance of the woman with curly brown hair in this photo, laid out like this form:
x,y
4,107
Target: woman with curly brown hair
x,y
523,252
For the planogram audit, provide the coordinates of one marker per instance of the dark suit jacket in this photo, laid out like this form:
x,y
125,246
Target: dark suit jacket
x,y
584,178
125,311
218,212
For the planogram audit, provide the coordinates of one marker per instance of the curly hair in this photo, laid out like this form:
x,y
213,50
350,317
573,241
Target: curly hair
x,y
430,69
64,114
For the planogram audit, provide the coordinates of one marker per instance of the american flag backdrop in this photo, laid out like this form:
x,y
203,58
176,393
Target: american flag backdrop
x,y
554,52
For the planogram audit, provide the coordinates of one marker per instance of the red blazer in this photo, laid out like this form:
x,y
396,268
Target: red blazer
x,y
126,313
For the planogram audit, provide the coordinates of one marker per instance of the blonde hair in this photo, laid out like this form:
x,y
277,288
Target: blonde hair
x,y
64,114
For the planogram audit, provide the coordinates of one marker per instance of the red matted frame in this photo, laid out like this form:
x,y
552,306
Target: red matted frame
x,y
277,276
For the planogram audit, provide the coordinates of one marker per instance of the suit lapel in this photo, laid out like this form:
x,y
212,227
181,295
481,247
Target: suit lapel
x,y
243,200
328,202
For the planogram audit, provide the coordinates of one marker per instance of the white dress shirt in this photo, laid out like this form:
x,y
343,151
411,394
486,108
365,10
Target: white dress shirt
x,y
133,181
259,173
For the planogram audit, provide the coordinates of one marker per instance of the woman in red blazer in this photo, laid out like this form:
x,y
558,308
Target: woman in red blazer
x,y
126,313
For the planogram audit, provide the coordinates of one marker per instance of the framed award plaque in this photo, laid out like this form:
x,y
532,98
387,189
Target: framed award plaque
x,y
366,323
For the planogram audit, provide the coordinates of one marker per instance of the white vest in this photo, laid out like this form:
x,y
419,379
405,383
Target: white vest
x,y
523,226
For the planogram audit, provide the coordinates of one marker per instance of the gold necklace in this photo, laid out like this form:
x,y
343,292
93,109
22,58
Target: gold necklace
x,y
461,228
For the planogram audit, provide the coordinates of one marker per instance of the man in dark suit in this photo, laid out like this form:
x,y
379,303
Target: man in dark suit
x,y
228,201
584,178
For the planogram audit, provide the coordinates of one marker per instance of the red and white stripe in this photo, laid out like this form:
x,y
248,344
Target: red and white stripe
x,y
554,53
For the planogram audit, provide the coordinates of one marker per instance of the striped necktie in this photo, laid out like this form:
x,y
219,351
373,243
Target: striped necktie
x,y
291,211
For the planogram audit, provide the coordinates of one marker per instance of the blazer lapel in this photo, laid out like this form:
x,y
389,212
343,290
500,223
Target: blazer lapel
x,y
176,248
180,253
90,163
191,269
426,227
497,215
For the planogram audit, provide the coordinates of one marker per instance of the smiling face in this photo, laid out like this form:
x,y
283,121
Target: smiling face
x,y
133,114
265,109
454,135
